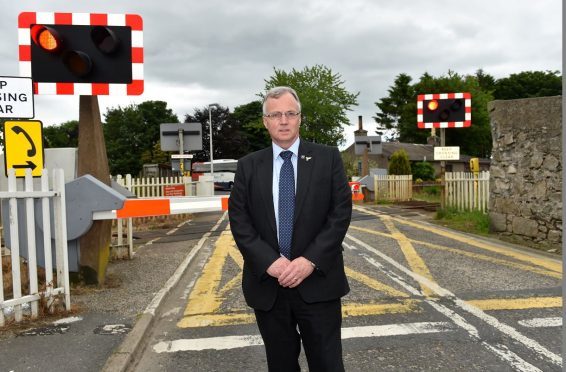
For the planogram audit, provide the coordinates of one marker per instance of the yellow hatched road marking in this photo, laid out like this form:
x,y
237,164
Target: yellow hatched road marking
x,y
207,296
554,266
479,256
416,263
517,303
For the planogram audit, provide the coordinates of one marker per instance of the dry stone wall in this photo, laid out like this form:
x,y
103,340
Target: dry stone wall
x,y
526,170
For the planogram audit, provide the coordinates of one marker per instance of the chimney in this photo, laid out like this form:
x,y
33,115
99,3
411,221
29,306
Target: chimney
x,y
361,131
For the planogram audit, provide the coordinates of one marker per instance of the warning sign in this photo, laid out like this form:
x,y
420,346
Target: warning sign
x,y
16,97
23,141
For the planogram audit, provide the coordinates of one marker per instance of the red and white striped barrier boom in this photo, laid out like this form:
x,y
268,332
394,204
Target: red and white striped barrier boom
x,y
146,207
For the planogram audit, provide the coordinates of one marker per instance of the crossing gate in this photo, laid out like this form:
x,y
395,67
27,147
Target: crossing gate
x,y
30,197
393,187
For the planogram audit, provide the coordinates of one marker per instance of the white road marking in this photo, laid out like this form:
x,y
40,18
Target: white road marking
x,y
492,321
172,231
541,322
68,320
234,342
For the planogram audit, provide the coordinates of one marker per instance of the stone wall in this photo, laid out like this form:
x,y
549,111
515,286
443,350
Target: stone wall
x,y
526,170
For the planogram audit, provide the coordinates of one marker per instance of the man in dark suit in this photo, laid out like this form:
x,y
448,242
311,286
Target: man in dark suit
x,y
289,210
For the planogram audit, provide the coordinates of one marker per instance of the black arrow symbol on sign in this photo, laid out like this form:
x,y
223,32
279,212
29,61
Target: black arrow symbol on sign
x,y
31,152
30,164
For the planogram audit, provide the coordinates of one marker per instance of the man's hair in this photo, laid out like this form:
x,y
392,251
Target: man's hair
x,y
277,92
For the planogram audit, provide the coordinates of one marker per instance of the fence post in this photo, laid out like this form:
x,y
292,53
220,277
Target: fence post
x,y
15,244
49,285
60,218
32,259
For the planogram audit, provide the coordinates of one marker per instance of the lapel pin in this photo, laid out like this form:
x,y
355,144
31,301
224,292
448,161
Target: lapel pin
x,y
307,158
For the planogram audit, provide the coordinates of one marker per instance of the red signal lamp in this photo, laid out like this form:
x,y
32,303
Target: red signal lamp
x,y
432,105
46,38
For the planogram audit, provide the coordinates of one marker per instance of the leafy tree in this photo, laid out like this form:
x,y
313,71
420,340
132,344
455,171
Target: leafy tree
x,y
423,170
324,101
228,140
62,135
399,163
529,84
249,117
392,107
131,134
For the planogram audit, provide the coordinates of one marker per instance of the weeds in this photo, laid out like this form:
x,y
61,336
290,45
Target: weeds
x,y
474,222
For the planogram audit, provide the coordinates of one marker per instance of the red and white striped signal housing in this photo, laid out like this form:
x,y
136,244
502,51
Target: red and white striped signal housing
x,y
82,53
444,110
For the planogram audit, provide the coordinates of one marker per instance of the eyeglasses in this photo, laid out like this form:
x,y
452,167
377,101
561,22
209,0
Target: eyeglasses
x,y
278,115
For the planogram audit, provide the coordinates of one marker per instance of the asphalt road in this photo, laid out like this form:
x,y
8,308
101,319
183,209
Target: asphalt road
x,y
423,298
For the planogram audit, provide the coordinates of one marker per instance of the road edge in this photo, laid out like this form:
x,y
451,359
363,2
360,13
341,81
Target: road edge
x,y
124,354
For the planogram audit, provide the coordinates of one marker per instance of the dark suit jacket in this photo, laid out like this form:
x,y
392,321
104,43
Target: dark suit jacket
x,y
323,209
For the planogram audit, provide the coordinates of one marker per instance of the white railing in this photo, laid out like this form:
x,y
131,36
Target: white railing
x,y
393,187
144,187
57,195
467,190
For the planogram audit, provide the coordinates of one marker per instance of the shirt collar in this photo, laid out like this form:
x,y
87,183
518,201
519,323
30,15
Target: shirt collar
x,y
278,150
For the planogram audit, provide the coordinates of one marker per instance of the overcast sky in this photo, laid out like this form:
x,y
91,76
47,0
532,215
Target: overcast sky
x,y
221,51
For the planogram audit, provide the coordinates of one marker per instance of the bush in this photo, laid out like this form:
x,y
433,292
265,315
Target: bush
x,y
423,170
399,163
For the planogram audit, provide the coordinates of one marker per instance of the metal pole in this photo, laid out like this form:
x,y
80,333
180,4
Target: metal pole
x,y
181,160
442,170
210,137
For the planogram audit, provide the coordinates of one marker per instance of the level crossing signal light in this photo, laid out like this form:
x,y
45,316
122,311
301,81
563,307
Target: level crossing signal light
x,y
81,54
446,110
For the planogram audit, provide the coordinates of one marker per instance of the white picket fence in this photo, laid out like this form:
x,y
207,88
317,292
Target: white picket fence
x,y
144,187
467,190
393,187
51,291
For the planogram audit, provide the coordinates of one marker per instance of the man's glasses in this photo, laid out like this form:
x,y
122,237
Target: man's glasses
x,y
278,115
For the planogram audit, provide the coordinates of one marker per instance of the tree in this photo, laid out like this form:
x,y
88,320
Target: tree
x,y
249,117
62,135
399,163
228,141
392,107
131,134
529,84
423,170
324,102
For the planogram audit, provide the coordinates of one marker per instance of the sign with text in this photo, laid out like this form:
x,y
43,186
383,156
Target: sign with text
x,y
447,153
16,97
23,142
174,190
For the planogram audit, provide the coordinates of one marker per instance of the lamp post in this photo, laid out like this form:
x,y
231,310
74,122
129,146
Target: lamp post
x,y
217,106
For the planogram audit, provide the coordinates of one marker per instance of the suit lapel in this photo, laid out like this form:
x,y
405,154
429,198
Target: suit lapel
x,y
305,166
265,173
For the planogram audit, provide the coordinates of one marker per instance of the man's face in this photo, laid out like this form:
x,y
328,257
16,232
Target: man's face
x,y
285,130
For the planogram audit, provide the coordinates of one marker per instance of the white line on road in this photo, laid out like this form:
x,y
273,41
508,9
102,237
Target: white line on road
x,y
492,321
234,342
541,322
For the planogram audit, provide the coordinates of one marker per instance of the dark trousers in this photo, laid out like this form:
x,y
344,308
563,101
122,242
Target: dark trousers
x,y
319,329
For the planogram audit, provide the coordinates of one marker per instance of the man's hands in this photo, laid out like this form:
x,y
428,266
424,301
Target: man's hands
x,y
290,273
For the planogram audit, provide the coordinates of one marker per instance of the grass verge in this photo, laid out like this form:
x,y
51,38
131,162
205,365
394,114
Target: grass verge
x,y
474,222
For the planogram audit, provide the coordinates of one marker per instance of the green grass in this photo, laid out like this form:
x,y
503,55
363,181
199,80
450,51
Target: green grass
x,y
474,222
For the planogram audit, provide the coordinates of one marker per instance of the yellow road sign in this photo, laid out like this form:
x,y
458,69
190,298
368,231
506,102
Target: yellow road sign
x,y
23,147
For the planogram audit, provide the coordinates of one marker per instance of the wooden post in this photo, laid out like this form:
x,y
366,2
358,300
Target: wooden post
x,y
92,159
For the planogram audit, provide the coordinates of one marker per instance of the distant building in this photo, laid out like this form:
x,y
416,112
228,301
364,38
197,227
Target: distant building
x,y
417,152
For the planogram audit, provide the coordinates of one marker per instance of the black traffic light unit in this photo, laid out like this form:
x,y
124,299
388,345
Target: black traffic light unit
x,y
81,54
446,110
100,53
